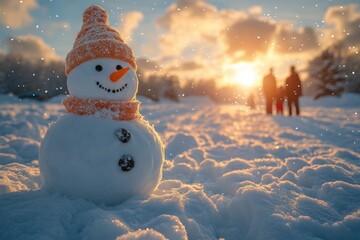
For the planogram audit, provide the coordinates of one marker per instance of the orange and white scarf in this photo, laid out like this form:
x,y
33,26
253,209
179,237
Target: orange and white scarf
x,y
109,109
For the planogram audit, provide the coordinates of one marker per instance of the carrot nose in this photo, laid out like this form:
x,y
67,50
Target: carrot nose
x,y
115,76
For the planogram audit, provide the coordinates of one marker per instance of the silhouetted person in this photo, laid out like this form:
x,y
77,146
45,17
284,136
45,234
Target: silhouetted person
x,y
269,88
293,90
280,97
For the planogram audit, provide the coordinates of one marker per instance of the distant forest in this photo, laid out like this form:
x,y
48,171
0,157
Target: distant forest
x,y
329,73
42,80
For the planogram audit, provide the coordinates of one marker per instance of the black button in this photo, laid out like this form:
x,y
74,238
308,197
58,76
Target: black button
x,y
126,162
123,135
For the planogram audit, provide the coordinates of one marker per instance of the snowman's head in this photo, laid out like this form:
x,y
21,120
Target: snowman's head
x,y
100,64
103,78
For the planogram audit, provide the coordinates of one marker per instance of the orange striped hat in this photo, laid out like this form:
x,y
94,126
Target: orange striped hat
x,y
97,39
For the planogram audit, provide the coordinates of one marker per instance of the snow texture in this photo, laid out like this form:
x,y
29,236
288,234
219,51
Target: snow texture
x,y
230,173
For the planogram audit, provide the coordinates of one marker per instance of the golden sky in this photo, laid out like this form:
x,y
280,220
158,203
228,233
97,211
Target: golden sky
x,y
230,41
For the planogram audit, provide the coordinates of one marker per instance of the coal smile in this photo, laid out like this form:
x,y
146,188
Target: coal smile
x,y
111,90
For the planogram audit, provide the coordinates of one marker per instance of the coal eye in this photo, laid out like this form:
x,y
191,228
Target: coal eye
x,y
98,68
118,67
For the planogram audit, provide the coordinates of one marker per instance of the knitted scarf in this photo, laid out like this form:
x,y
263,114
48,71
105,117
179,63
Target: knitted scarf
x,y
109,109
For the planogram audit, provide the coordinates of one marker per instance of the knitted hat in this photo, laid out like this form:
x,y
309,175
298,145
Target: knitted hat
x,y
97,39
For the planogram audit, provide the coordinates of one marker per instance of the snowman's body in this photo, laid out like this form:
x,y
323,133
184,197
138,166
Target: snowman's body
x,y
84,156
93,156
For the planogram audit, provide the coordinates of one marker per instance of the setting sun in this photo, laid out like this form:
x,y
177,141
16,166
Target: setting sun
x,y
242,73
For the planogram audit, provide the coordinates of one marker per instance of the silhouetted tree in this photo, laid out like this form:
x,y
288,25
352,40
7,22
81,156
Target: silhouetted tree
x,y
328,74
202,87
156,87
172,88
36,79
150,88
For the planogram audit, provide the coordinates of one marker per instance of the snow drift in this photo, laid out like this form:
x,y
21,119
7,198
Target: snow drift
x,y
230,173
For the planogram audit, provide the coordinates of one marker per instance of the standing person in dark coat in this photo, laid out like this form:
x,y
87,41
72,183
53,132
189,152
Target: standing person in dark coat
x,y
269,88
293,90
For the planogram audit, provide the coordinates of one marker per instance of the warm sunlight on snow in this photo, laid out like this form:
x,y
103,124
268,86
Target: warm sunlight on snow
x,y
242,73
228,173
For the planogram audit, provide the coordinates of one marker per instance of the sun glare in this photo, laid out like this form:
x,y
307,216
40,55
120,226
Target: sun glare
x,y
242,73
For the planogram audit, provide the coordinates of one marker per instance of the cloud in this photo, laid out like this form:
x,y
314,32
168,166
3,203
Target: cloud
x,y
188,25
248,37
193,9
255,10
31,48
198,28
251,36
145,64
342,15
16,14
345,25
288,40
129,22
186,66
197,31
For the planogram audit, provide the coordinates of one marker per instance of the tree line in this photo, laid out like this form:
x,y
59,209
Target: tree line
x,y
332,72
28,78
42,80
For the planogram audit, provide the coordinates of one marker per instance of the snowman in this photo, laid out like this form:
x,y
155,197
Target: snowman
x,y
102,149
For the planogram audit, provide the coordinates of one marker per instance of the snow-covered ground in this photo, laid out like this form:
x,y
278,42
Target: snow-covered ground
x,y
230,173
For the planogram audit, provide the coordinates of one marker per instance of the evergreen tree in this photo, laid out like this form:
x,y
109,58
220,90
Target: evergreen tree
x,y
328,74
172,88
